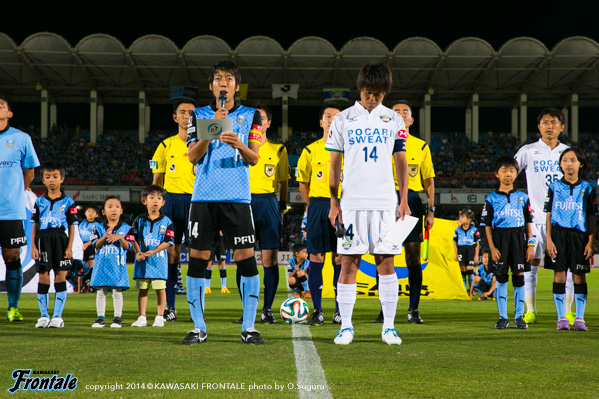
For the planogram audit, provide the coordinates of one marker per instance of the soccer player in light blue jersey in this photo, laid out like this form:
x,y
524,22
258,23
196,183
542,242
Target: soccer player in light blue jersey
x,y
571,207
507,218
17,162
221,199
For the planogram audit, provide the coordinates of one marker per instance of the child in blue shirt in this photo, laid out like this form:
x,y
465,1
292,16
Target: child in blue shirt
x,y
571,206
507,219
54,221
112,241
154,233
466,242
297,271
484,281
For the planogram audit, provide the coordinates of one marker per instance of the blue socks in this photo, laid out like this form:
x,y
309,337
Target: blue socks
x,y
59,298
559,298
250,289
42,299
223,278
171,285
195,298
14,283
580,299
502,299
315,283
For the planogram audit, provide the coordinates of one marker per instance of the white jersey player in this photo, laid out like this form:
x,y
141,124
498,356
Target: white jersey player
x,y
368,136
540,161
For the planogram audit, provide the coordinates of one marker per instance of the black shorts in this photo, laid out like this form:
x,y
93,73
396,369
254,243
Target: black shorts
x,y
466,255
208,219
52,244
417,209
320,234
176,207
570,244
512,245
219,252
89,253
12,234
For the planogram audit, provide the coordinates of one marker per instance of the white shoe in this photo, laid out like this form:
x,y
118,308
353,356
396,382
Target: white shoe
x,y
56,322
42,322
391,336
140,322
158,322
345,336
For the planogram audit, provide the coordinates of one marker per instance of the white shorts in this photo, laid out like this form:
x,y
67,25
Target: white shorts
x,y
365,231
539,232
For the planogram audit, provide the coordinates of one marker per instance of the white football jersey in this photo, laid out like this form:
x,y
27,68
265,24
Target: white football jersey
x,y
367,141
541,164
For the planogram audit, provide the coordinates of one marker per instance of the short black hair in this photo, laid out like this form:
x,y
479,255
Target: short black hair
x,y
299,247
553,112
505,160
185,100
579,154
333,105
92,207
152,189
51,166
225,66
375,76
264,108
404,102
6,100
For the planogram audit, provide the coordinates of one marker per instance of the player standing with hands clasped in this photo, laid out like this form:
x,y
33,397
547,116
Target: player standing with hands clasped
x,y
368,135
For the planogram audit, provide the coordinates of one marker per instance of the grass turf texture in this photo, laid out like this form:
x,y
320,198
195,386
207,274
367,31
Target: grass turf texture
x,y
457,353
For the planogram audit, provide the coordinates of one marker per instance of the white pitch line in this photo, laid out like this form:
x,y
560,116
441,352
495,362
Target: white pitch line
x,y
310,375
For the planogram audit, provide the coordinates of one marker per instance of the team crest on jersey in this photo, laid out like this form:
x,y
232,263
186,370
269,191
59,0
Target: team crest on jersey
x,y
385,118
10,144
346,244
241,119
62,208
319,175
413,170
269,170
162,229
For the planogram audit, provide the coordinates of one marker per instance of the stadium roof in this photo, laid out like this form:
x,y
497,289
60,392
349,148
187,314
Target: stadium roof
x,y
153,63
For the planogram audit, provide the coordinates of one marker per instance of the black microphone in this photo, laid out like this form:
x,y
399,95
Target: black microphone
x,y
222,99
339,229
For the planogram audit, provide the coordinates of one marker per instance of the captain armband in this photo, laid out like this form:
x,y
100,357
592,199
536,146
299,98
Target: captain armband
x,y
256,134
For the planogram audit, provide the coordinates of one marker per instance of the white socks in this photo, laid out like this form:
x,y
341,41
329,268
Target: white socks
x,y
388,295
346,298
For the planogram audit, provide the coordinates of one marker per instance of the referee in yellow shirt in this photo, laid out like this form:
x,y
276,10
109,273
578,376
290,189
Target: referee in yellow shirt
x,y
421,179
313,168
173,171
269,176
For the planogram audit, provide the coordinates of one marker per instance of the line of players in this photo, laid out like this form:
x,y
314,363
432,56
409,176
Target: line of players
x,y
227,78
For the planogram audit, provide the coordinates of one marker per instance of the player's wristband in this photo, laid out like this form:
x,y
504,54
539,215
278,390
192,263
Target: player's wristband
x,y
532,242
282,205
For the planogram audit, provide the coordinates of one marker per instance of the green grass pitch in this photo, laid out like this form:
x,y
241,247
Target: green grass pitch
x,y
456,353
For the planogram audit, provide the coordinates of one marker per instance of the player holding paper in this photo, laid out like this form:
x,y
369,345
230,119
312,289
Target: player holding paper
x,y
368,135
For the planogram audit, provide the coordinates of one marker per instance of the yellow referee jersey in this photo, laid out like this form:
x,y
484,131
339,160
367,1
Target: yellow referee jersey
x,y
272,167
171,159
420,164
313,167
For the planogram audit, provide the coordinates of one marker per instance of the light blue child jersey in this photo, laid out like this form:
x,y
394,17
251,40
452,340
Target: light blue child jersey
x,y
506,210
466,238
486,276
222,175
58,213
86,229
16,153
571,204
292,262
149,234
110,267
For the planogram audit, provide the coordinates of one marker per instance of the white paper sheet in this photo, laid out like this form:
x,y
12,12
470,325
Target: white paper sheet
x,y
400,230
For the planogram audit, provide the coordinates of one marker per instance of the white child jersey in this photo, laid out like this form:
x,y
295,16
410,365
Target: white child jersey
x,y
367,141
541,165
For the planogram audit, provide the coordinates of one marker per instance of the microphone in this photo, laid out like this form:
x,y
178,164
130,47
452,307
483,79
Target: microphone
x,y
339,229
222,99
